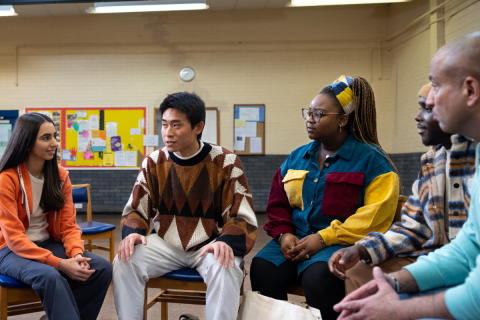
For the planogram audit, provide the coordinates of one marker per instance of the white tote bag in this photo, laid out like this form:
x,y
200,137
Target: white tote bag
x,y
257,307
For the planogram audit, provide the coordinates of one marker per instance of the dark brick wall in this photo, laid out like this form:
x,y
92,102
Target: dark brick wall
x,y
408,165
110,189
260,171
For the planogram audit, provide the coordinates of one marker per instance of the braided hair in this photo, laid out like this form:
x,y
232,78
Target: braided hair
x,y
363,120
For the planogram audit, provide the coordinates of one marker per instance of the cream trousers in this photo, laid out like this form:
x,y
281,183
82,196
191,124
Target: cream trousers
x,y
158,258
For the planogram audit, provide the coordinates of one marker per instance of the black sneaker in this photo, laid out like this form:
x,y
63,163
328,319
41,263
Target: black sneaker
x,y
188,317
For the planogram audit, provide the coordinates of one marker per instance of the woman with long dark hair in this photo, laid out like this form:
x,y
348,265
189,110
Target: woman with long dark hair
x,y
328,194
40,242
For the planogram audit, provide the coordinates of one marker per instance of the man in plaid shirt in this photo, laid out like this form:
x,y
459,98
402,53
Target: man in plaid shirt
x,y
431,217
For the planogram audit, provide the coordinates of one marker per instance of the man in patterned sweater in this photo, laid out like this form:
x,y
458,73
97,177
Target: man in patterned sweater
x,y
424,226
197,196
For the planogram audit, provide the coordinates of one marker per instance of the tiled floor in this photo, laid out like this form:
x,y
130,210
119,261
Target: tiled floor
x,y
175,310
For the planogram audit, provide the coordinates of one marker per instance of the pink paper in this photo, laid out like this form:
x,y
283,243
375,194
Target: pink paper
x,y
88,155
85,134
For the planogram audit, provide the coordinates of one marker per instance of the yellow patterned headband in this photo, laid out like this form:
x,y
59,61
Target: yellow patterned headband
x,y
342,87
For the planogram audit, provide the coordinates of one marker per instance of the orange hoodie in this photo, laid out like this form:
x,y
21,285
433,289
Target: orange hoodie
x,y
16,206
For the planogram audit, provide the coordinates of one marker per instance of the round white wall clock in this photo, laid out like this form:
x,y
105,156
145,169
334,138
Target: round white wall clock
x,y
187,74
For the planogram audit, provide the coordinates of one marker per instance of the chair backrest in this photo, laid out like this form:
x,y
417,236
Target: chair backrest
x,y
81,193
398,212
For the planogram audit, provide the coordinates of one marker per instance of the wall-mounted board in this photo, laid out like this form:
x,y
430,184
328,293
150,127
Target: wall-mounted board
x,y
106,137
249,129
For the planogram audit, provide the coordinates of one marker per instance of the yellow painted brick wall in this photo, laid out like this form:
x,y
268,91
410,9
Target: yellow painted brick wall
x,y
461,19
280,57
410,57
277,57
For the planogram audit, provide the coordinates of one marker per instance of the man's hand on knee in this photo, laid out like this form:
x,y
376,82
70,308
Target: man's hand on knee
x,y
126,247
222,252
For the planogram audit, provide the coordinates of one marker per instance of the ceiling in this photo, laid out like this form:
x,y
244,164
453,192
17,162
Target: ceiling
x,y
69,9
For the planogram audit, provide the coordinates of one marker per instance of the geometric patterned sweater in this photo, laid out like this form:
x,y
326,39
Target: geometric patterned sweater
x,y
422,226
193,201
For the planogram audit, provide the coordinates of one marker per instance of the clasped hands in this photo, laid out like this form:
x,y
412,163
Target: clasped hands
x,y
375,300
222,251
297,250
76,268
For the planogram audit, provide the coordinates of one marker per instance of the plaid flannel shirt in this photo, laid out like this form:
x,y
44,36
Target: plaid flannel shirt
x,y
422,228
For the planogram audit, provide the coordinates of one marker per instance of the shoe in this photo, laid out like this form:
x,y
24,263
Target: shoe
x,y
44,317
188,317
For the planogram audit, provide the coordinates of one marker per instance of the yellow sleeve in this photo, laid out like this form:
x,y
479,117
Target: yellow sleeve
x,y
381,197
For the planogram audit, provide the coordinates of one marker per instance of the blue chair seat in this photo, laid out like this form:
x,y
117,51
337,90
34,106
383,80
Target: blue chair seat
x,y
186,274
11,283
92,227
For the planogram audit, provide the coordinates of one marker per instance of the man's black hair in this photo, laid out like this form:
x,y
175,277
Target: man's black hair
x,y
188,103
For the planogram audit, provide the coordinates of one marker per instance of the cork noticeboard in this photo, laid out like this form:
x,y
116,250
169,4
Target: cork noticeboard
x,y
249,129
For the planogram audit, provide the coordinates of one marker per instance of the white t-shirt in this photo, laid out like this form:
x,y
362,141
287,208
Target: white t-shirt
x,y
38,219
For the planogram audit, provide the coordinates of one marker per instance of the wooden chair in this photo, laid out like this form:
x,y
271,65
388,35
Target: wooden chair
x,y
298,290
188,281
92,230
398,212
17,298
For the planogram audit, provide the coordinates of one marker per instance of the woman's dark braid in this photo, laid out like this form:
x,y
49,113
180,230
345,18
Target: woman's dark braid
x,y
365,124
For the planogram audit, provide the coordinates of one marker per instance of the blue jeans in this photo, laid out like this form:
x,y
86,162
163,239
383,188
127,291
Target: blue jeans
x,y
52,286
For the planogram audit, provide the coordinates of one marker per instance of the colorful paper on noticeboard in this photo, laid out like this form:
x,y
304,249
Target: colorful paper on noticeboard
x,y
69,155
99,145
116,143
108,159
88,155
71,118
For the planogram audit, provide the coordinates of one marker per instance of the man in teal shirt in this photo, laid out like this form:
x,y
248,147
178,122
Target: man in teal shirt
x,y
455,73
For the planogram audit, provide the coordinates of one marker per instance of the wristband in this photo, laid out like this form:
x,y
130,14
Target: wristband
x,y
397,284
324,245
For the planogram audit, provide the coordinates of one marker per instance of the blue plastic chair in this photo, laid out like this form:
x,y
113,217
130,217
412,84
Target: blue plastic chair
x,y
92,230
17,298
189,281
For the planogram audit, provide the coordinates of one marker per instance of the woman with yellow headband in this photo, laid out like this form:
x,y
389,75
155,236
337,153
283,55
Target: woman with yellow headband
x,y
327,195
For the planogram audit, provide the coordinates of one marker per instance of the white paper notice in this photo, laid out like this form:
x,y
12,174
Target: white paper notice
x,y
249,114
84,140
46,113
82,125
3,133
251,129
93,122
82,115
120,158
255,145
131,158
111,129
150,140
239,143
78,205
240,131
141,123
239,139
135,131
99,142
